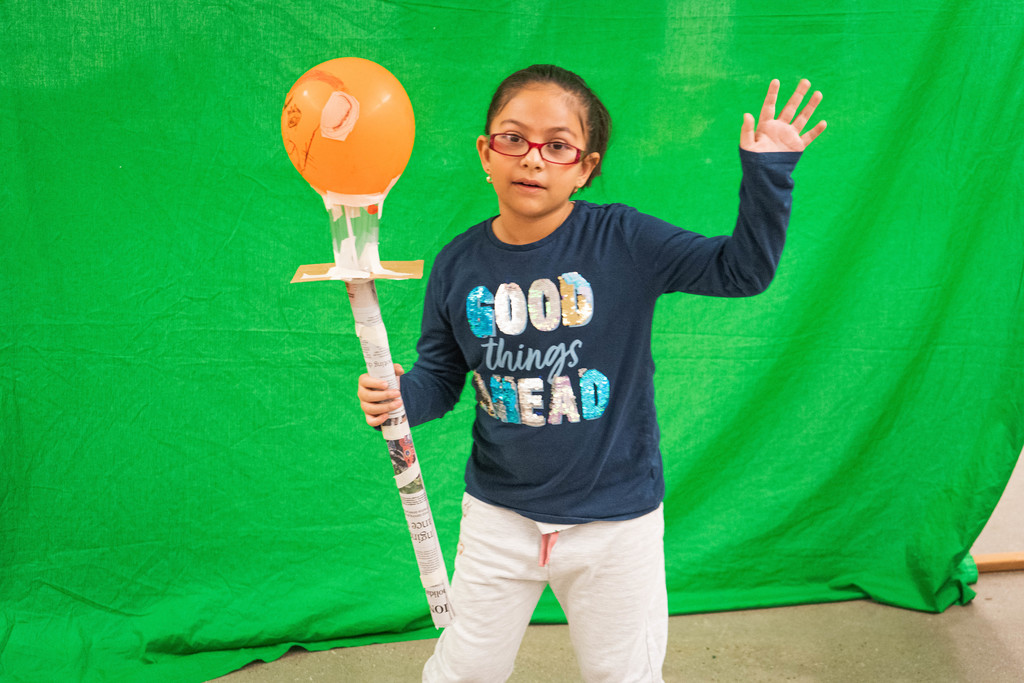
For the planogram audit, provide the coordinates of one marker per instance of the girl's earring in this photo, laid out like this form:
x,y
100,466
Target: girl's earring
x,y
489,179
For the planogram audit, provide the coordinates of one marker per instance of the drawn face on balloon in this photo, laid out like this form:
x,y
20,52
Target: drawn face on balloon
x,y
348,127
291,115
300,120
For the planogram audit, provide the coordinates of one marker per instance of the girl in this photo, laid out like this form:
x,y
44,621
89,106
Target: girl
x,y
549,306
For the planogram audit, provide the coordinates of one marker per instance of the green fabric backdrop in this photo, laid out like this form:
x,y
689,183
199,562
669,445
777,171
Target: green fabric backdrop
x,y
187,484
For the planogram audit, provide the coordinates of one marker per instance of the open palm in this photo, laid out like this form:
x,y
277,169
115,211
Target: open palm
x,y
782,133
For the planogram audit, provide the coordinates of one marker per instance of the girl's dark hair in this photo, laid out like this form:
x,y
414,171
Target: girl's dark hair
x,y
598,123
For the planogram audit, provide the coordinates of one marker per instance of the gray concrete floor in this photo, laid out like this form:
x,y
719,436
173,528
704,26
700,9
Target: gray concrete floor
x,y
851,641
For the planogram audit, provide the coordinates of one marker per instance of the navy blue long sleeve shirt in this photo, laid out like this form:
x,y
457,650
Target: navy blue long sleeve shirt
x,y
556,337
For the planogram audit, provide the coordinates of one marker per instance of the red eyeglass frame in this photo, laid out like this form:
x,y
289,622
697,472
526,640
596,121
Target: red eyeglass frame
x,y
539,146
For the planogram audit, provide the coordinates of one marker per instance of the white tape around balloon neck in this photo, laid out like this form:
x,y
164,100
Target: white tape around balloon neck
x,y
336,200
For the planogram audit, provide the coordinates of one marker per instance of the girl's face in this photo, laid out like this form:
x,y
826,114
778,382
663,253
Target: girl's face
x,y
530,188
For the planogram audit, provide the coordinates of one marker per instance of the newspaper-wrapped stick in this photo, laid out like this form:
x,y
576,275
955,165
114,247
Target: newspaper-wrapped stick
x,y
374,340
348,128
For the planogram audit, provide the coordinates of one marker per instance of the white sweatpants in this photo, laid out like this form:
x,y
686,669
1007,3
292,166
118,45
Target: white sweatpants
x,y
609,578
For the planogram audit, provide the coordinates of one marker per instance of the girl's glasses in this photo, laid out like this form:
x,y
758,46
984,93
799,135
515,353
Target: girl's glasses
x,y
512,145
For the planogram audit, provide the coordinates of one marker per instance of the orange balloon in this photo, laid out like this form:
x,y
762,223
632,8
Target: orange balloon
x,y
348,127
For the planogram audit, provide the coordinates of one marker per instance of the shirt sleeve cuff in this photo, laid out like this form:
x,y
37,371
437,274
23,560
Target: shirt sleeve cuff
x,y
781,160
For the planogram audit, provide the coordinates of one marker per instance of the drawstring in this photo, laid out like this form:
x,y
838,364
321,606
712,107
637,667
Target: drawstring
x,y
547,542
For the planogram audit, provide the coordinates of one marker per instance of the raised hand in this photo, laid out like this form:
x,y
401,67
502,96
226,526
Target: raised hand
x,y
782,133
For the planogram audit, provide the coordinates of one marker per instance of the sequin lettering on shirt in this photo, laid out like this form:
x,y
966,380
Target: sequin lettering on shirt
x,y
531,399
528,399
483,397
563,402
510,309
480,311
594,392
577,299
544,304
505,399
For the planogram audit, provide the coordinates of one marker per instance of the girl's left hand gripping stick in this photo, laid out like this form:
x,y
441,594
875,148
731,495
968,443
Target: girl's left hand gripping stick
x,y
373,338
348,127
